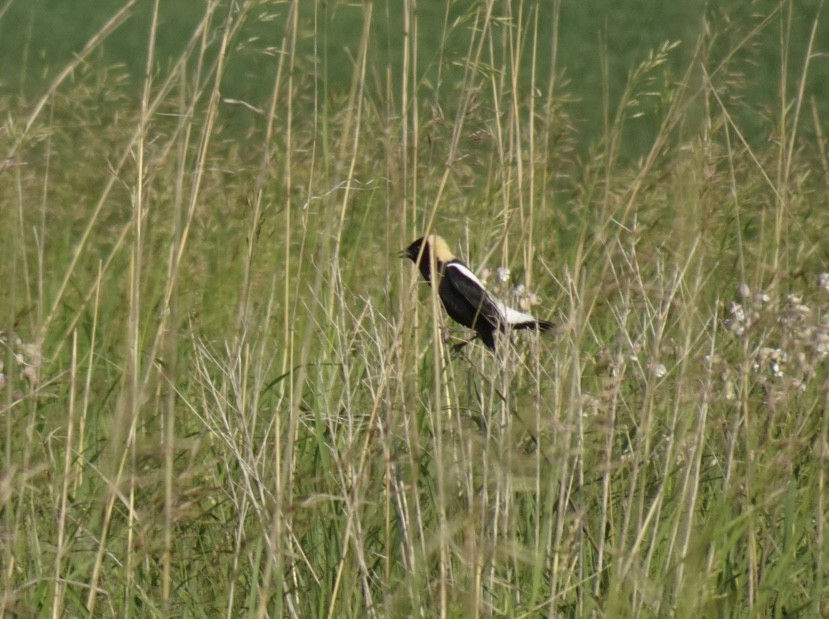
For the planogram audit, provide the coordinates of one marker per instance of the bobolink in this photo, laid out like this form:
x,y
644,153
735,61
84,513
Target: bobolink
x,y
463,295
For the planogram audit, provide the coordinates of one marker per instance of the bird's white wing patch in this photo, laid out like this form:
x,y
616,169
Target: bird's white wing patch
x,y
514,317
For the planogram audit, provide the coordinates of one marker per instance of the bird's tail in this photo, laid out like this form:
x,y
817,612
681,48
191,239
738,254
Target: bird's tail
x,y
544,325
538,325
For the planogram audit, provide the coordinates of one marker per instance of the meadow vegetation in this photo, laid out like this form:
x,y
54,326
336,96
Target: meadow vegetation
x,y
223,394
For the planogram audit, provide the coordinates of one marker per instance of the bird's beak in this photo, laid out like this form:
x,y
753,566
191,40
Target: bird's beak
x,y
402,254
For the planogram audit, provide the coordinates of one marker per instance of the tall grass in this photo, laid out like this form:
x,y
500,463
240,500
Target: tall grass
x,y
224,395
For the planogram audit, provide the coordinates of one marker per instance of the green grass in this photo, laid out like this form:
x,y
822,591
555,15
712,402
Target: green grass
x,y
224,395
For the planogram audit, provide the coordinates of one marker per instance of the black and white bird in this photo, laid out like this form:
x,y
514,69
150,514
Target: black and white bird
x,y
463,295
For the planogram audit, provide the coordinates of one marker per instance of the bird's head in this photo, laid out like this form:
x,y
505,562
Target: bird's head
x,y
413,251
426,248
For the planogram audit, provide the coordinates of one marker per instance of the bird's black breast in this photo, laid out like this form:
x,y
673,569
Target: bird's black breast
x,y
456,305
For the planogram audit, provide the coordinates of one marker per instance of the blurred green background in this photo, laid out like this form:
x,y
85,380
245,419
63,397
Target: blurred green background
x,y
210,294
599,43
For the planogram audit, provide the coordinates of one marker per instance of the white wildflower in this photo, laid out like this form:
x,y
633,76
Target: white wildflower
x,y
709,361
528,300
796,309
823,281
729,391
659,370
30,374
736,323
773,358
820,343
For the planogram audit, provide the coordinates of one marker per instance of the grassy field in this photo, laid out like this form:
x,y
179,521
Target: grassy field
x,y
223,394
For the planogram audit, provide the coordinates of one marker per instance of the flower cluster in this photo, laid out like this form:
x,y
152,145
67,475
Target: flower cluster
x,y
786,337
27,361
516,296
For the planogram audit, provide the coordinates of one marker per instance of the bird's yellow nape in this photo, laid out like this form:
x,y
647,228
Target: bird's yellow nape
x,y
440,249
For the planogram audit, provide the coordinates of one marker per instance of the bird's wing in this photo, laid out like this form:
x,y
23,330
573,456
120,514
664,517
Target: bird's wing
x,y
493,310
472,290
